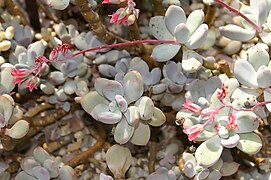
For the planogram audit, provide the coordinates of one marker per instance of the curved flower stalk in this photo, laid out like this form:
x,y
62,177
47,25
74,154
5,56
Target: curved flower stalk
x,y
190,32
111,104
256,18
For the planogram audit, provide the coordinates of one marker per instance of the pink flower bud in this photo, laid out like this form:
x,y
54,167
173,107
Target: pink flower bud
x,y
192,107
193,131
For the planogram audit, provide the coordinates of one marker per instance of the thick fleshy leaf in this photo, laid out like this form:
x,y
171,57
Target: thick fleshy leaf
x,y
267,97
145,108
23,176
264,77
159,88
6,108
198,37
40,173
132,115
231,141
229,168
194,20
174,73
141,134
59,4
158,118
241,70
133,86
123,131
203,174
52,167
191,61
257,56
18,130
181,33
108,88
6,80
27,165
121,102
67,173
237,33
247,121
158,28
110,117
174,16
118,159
89,101
250,143
266,37
40,155
189,169
214,175
105,177
165,52
211,149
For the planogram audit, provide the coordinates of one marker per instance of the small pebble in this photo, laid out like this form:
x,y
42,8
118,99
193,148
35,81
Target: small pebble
x,y
79,135
5,45
74,146
233,47
10,31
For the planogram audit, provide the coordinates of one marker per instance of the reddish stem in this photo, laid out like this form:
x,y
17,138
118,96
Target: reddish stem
x,y
256,26
119,45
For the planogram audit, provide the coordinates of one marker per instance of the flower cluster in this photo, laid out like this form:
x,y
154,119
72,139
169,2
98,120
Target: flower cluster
x,y
30,76
126,15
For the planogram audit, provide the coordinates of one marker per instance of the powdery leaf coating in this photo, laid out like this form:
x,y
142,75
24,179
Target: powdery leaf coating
x,y
237,33
92,99
250,143
181,33
158,28
6,109
174,16
67,173
118,160
133,86
247,121
40,154
18,130
241,70
264,77
165,52
141,134
27,165
145,108
194,20
158,118
123,132
40,173
267,97
198,37
229,168
211,149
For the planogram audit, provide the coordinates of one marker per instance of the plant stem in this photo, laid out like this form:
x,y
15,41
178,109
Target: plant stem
x,y
256,26
119,45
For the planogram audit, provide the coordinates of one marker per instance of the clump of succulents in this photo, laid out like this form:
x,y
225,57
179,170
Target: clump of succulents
x,y
42,166
111,104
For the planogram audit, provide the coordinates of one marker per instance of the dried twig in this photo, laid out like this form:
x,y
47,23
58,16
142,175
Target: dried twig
x,y
48,119
33,14
95,23
158,8
152,157
80,158
37,109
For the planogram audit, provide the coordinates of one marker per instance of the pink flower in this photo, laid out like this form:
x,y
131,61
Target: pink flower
x,y
192,107
222,93
193,131
20,75
232,122
209,113
119,17
31,84
40,60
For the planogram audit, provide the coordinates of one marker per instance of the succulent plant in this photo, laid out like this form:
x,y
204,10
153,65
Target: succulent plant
x,y
112,100
42,166
11,116
258,12
174,26
223,167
